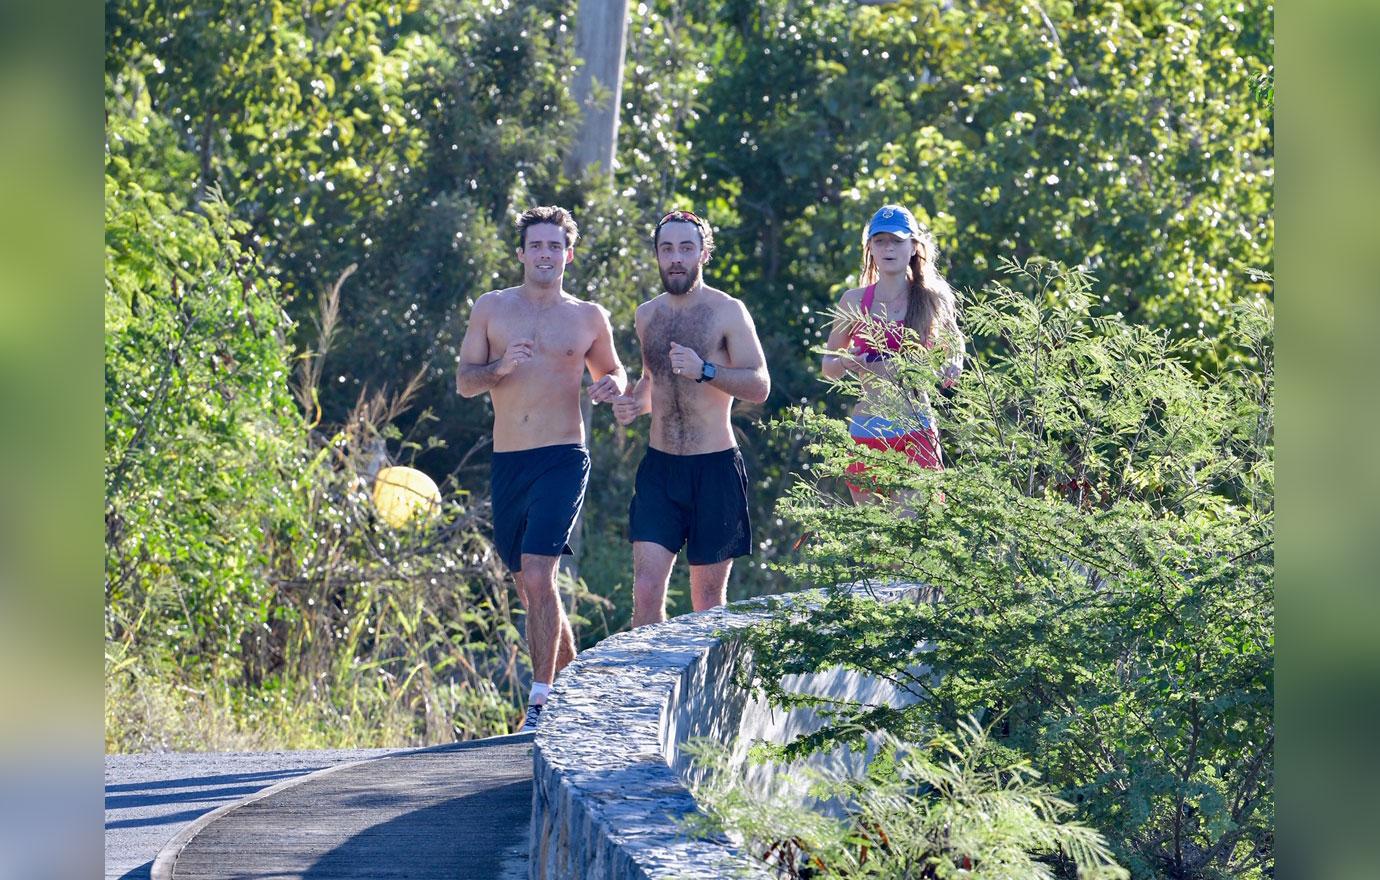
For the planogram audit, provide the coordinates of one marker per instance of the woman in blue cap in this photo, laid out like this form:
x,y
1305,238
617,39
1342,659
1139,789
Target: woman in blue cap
x,y
902,294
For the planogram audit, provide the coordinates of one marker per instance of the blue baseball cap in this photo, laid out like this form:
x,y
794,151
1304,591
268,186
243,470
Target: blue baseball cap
x,y
894,219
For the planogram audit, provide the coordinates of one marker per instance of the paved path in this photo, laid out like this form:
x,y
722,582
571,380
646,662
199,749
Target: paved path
x,y
458,811
150,796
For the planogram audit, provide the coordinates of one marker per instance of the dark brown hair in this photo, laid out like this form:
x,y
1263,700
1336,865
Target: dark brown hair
x,y
553,214
705,230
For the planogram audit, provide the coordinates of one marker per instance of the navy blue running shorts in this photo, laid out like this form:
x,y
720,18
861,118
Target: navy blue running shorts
x,y
694,501
537,493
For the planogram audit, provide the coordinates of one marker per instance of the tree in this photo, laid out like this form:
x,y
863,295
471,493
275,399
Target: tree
x,y
1122,137
286,143
787,125
201,431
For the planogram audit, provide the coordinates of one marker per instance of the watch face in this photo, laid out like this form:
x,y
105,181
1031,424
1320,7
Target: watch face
x,y
707,372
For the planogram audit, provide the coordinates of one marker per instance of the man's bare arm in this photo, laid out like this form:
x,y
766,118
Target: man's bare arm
x,y
475,373
472,380
745,374
638,399
610,380
474,350
752,384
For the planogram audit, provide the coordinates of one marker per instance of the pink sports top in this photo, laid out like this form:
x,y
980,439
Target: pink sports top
x,y
894,331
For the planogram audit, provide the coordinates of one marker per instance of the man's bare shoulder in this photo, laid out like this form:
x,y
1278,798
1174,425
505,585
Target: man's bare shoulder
x,y
495,300
726,304
650,307
586,309
716,297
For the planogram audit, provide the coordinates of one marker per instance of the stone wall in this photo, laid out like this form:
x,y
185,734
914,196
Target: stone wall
x,y
609,776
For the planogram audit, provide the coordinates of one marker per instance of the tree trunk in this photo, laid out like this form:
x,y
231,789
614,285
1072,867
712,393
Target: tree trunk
x,y
601,39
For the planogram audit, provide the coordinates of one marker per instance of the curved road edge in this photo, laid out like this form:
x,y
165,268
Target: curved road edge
x,y
165,862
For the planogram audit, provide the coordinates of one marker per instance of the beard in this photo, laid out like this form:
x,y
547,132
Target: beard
x,y
679,285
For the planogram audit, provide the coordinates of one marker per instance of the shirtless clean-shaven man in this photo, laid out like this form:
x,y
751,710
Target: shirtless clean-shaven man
x,y
529,346
699,352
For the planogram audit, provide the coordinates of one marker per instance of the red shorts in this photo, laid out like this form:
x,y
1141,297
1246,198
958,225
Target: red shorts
x,y
921,447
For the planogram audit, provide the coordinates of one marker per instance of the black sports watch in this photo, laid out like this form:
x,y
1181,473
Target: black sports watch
x,y
707,372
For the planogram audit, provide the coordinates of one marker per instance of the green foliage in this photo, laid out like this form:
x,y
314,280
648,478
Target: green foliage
x,y
955,807
397,137
1264,86
787,124
201,432
1124,136
276,145
252,597
1102,544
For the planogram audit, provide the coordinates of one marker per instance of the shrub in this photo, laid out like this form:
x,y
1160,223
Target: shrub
x,y
1103,545
960,806
252,596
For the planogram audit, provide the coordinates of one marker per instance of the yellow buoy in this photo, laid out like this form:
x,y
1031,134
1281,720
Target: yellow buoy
x,y
401,492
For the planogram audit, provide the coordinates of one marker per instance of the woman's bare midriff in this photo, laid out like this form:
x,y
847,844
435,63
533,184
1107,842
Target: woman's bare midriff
x,y
867,405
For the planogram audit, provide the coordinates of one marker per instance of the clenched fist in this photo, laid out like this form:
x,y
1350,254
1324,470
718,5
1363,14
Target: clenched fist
x,y
949,375
604,391
519,352
626,409
684,361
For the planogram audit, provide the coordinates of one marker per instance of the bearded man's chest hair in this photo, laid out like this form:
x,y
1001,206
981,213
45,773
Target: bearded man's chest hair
x,y
697,328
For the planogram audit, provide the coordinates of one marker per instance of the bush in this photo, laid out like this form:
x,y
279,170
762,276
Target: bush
x,y
1103,545
253,599
960,806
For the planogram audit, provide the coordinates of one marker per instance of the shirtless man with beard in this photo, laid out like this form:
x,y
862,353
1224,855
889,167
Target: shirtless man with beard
x,y
529,346
699,352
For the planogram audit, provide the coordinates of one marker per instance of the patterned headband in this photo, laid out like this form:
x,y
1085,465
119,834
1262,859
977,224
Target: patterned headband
x,y
685,216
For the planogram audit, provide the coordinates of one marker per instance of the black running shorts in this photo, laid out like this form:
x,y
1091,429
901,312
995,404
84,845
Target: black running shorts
x,y
693,501
537,493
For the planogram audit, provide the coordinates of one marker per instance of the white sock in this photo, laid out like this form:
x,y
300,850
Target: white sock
x,y
539,692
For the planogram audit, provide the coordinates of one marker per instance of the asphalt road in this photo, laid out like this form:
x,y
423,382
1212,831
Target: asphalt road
x,y
456,812
148,797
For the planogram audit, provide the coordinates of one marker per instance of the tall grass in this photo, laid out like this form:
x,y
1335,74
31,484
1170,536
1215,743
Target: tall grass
x,y
344,631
